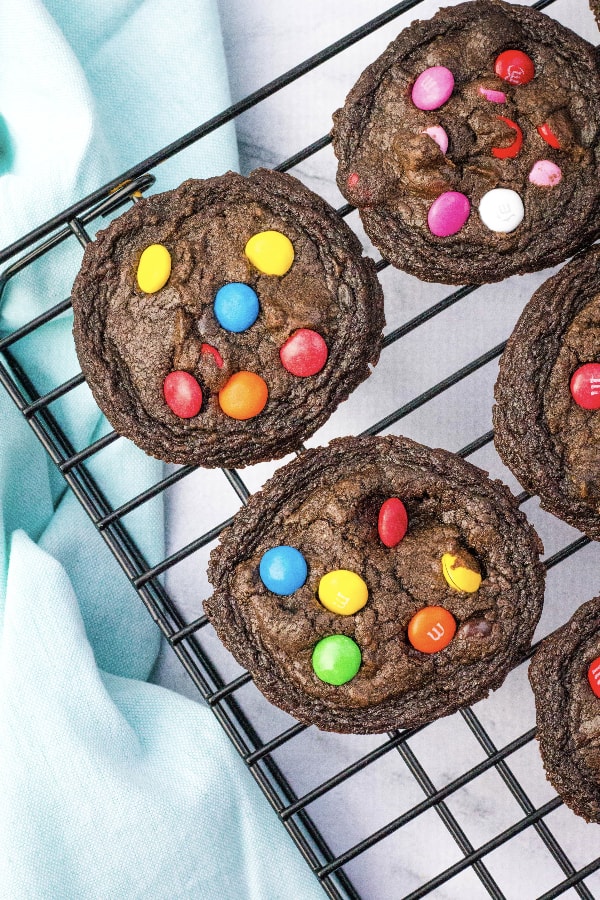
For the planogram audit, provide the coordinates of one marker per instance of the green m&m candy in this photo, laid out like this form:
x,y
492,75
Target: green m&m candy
x,y
336,659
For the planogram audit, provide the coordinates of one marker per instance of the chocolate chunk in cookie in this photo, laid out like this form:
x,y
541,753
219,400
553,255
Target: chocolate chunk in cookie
x,y
547,412
565,677
377,584
471,146
223,322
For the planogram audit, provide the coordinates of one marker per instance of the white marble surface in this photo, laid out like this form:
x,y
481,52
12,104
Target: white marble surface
x,y
264,39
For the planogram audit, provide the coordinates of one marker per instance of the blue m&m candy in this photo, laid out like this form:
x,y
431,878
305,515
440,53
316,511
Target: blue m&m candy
x,y
236,306
283,570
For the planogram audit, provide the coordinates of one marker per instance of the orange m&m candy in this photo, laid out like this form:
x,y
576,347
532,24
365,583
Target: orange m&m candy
x,y
244,396
431,629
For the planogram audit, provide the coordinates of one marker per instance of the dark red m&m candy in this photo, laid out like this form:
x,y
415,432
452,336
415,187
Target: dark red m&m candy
x,y
304,353
183,394
585,386
514,66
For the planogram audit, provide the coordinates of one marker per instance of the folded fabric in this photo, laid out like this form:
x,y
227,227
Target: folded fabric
x,y
110,787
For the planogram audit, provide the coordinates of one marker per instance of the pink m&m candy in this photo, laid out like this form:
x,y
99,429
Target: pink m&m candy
x,y
433,87
585,386
438,134
448,213
493,96
304,353
545,173
183,394
393,521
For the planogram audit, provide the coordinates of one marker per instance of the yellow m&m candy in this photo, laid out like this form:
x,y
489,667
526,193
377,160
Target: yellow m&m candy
x,y
343,592
154,268
271,252
459,577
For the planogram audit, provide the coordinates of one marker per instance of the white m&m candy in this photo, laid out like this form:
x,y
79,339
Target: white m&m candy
x,y
501,210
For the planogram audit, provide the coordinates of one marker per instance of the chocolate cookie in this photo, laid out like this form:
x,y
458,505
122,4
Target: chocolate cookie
x,y
595,8
223,322
377,584
565,677
471,145
547,412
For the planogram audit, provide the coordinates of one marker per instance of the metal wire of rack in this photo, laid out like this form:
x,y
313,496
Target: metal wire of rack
x,y
222,695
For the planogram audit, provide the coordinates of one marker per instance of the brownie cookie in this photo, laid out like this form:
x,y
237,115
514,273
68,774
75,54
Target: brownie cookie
x,y
377,584
565,677
595,8
471,145
547,412
223,322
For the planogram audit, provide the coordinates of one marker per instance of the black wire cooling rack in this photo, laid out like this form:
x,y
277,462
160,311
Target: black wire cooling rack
x,y
295,812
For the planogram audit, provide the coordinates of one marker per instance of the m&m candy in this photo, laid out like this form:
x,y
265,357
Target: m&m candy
x,y
243,396
501,209
154,268
459,577
439,135
212,351
594,676
304,353
183,394
515,145
271,252
545,173
236,306
448,213
336,659
546,133
392,522
493,96
514,66
283,570
431,629
433,87
585,386
343,592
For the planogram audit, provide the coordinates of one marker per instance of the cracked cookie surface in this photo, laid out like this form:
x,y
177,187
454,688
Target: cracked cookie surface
x,y
326,506
549,441
534,135
568,709
129,340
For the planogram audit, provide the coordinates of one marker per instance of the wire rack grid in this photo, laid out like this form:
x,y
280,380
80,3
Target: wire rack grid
x,y
429,793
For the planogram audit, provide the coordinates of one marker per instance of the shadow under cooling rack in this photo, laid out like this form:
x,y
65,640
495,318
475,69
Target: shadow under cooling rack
x,y
295,811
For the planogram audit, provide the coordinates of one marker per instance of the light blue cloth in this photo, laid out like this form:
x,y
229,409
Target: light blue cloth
x,y
109,787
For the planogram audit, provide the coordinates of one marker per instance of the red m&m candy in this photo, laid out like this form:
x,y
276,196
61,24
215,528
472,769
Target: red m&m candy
x,y
585,386
208,348
514,66
304,353
546,133
514,147
183,394
393,522
594,676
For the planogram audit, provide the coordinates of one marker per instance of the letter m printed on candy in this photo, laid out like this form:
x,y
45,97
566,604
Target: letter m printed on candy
x,y
436,632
